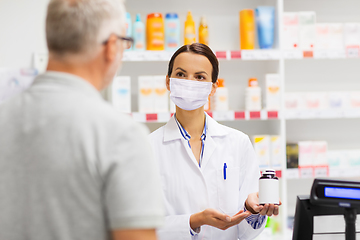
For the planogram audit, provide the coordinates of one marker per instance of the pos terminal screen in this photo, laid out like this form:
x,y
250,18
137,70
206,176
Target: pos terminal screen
x,y
345,193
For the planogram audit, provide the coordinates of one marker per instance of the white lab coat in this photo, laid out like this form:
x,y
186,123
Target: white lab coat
x,y
189,189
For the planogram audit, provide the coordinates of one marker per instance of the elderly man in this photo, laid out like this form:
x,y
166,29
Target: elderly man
x,y
70,167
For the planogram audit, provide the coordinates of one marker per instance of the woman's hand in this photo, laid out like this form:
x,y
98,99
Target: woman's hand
x,y
252,205
216,219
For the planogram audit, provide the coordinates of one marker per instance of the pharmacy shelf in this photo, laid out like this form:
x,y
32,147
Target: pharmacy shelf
x,y
257,54
322,171
322,114
322,54
217,115
139,56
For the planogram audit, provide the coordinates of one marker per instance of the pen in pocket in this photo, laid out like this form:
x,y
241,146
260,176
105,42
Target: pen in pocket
x,y
225,171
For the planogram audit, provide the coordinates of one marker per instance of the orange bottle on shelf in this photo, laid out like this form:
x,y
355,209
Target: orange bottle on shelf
x,y
189,30
247,29
203,32
155,38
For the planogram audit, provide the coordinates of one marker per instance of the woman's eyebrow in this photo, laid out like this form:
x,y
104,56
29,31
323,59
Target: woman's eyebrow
x,y
201,72
181,69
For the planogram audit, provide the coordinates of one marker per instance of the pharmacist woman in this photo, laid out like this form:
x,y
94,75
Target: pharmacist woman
x,y
209,171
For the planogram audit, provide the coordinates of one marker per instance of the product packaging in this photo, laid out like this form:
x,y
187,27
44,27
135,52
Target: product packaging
x,y
334,159
337,100
161,95
354,99
253,96
312,153
121,94
265,19
306,154
128,27
139,34
172,32
189,30
268,188
320,153
353,157
220,100
290,30
352,35
146,96
247,29
272,94
322,36
262,150
336,36
315,100
293,101
292,155
203,31
307,34
155,39
275,151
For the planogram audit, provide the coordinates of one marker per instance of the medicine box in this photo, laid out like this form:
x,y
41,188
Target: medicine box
x,y
121,94
262,150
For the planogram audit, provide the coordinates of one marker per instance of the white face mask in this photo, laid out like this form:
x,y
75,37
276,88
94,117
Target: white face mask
x,y
188,94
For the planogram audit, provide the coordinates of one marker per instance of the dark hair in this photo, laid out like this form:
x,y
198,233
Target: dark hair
x,y
201,49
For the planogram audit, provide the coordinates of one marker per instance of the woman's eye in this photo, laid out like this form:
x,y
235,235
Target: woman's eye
x,y
180,74
200,77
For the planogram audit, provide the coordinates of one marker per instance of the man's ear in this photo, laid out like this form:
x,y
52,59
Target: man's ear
x,y
111,48
168,83
214,87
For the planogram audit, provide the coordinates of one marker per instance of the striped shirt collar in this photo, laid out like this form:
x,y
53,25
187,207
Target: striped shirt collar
x,y
186,135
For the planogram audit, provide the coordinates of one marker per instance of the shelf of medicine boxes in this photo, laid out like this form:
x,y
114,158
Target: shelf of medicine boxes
x,y
322,114
321,172
163,117
257,54
271,54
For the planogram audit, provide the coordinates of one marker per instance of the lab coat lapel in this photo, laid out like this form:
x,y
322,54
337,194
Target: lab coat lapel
x,y
209,148
190,153
214,129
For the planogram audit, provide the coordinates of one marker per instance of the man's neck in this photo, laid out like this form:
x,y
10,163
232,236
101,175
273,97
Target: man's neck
x,y
85,71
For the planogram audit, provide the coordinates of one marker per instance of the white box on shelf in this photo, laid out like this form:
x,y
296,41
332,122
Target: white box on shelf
x,y
320,153
293,101
262,150
353,158
14,81
306,153
290,30
220,100
272,92
146,94
354,99
334,158
275,151
161,97
336,100
307,33
352,35
336,36
253,99
121,94
322,36
315,100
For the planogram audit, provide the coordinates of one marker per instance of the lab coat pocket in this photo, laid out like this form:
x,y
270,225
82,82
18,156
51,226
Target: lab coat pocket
x,y
228,190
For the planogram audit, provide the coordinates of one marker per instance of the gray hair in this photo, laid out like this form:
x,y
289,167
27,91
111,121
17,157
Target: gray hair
x,y
78,26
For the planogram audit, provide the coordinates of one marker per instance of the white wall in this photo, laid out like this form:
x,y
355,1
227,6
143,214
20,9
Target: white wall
x,y
22,31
